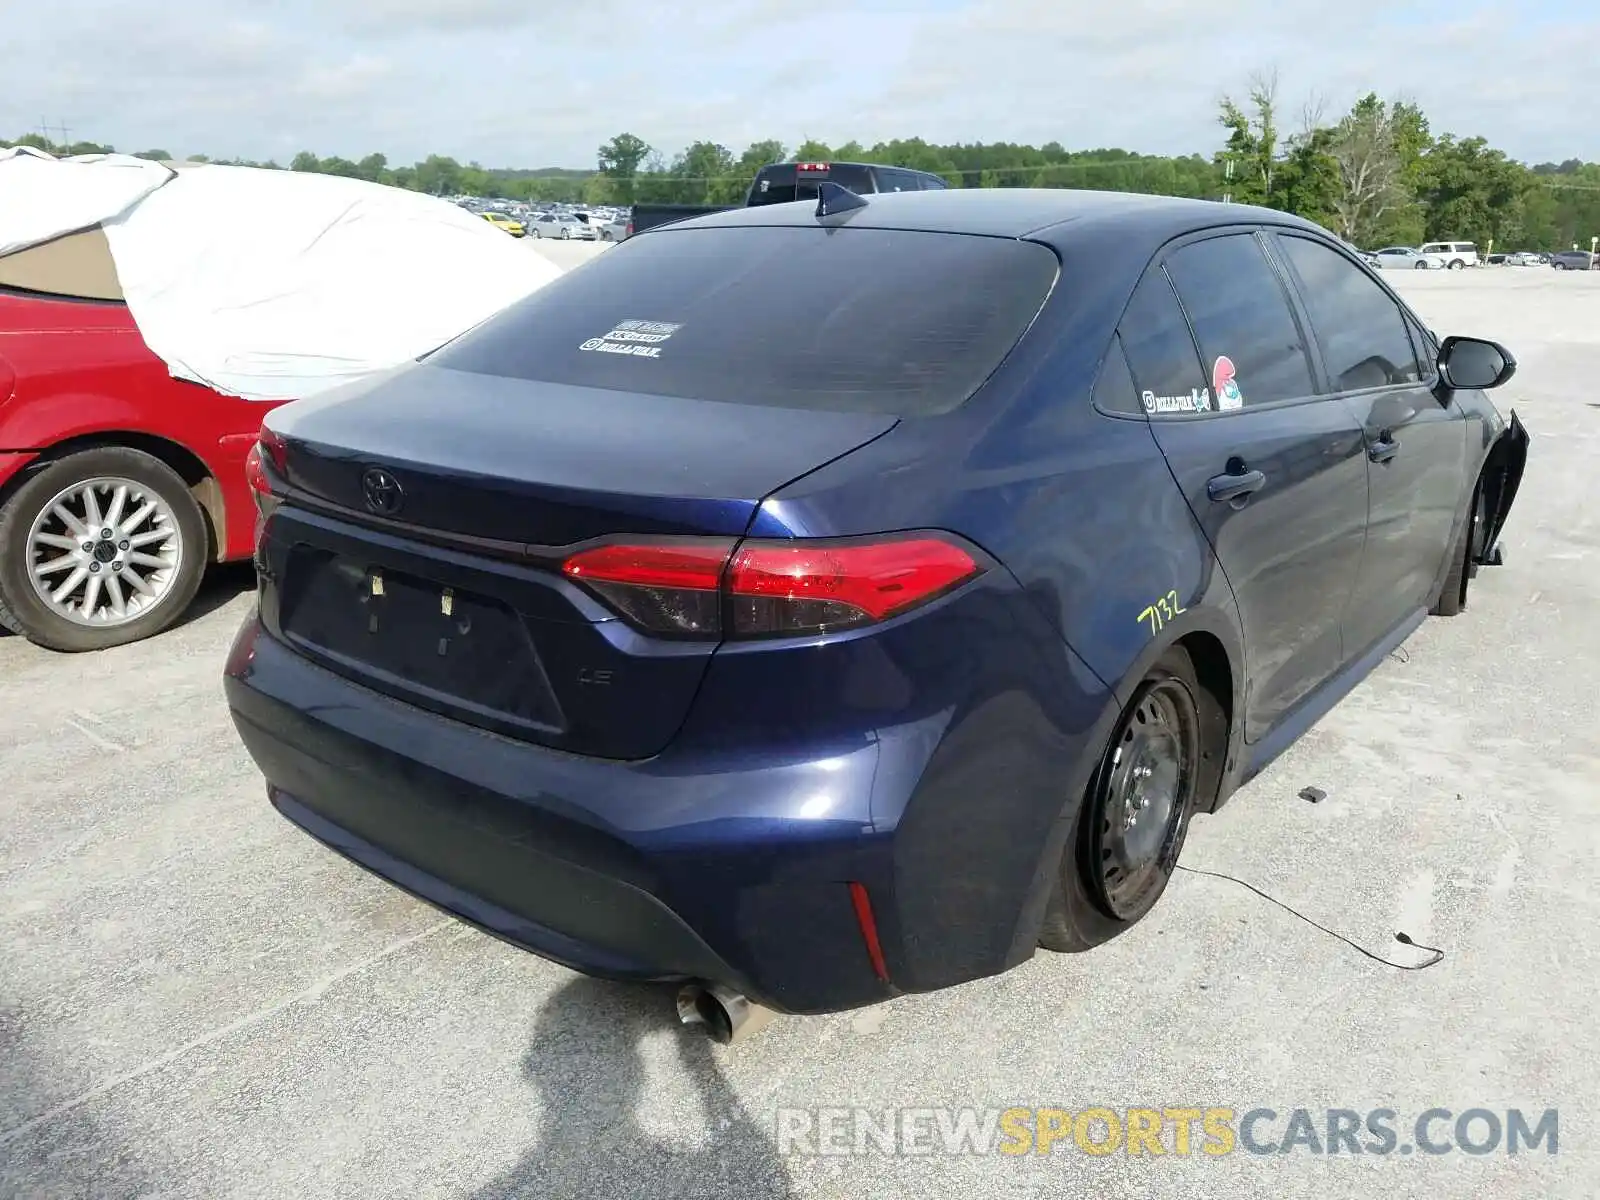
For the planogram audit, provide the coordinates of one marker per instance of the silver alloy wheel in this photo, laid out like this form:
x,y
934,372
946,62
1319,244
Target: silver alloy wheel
x,y
104,552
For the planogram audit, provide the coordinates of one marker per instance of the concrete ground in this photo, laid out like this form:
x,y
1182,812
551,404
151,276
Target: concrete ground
x,y
198,1001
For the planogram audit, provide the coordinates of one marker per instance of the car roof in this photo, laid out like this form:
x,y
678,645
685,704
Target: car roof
x,y
1041,213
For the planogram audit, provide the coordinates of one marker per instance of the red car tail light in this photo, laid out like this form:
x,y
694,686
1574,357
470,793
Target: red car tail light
x,y
256,473
269,447
666,587
705,587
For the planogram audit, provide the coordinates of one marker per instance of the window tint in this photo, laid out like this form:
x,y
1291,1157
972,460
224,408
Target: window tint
x,y
893,179
935,183
1160,352
1360,329
862,320
1247,333
1114,390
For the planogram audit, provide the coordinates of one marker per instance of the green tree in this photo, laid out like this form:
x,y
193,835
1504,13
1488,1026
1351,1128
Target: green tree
x,y
620,160
1250,158
1470,192
1372,178
703,174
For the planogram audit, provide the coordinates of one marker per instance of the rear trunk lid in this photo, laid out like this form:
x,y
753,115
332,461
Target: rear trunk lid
x,y
418,546
546,464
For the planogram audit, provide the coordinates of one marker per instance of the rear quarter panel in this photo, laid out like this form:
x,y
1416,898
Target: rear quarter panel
x,y
82,371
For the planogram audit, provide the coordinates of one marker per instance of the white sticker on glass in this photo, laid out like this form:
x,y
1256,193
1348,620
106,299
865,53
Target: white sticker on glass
x,y
639,339
1196,400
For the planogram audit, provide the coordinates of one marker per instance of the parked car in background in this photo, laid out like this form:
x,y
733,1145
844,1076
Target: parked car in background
x,y
617,229
1392,258
784,183
566,226
1572,260
1454,256
138,356
501,221
830,603
119,483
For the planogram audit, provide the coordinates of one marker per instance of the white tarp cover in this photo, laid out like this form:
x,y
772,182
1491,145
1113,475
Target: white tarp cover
x,y
277,285
43,197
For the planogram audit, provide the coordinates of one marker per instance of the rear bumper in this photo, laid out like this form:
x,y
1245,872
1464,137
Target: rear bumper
x,y
534,847
720,859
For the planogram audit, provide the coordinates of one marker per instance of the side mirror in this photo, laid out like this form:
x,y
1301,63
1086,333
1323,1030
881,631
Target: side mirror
x,y
1468,363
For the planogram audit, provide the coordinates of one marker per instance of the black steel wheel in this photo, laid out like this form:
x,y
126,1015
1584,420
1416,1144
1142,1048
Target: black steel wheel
x,y
1141,799
1161,757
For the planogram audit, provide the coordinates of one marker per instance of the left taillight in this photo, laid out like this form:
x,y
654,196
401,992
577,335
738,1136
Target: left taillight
x,y
267,458
722,588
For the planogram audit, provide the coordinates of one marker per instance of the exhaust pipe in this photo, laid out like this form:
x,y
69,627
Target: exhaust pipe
x,y
728,1016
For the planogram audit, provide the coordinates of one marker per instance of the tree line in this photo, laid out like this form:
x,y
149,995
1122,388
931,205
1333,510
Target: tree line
x,y
1376,174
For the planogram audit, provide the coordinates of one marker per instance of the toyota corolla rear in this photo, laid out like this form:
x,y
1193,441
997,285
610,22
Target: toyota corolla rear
x,y
539,641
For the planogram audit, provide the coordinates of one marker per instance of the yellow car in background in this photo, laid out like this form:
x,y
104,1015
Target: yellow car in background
x,y
501,221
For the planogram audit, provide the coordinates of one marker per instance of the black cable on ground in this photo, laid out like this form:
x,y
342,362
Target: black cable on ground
x,y
1403,938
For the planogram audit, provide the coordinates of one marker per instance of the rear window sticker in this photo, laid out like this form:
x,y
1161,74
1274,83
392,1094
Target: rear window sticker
x,y
1226,386
641,339
1197,400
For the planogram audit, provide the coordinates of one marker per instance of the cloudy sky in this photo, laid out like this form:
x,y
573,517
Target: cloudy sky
x,y
531,83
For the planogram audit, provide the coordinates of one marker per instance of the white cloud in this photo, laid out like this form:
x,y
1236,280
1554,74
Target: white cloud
x,y
508,82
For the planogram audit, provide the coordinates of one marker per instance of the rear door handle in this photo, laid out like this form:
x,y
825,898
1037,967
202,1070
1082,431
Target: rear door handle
x,y
1383,450
1224,488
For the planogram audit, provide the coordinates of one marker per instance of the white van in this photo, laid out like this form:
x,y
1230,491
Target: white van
x,y
1454,255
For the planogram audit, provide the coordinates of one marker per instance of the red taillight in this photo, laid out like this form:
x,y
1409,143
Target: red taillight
x,y
665,587
703,587
255,473
811,168
269,447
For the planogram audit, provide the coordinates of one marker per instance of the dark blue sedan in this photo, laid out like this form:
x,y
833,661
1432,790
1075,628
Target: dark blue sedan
x,y
828,601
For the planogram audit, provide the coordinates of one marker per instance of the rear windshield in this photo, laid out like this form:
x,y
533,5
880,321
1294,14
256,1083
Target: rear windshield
x,y
854,320
776,185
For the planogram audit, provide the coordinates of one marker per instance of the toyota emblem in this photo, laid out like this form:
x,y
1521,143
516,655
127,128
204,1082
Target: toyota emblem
x,y
382,491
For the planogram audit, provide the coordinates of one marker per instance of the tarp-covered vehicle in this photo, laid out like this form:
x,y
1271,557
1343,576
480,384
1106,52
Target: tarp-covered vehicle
x,y
143,337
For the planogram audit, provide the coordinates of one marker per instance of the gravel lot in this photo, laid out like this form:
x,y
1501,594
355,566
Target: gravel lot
x,y
196,1000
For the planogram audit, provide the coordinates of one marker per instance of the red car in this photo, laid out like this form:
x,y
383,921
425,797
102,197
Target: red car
x,y
118,483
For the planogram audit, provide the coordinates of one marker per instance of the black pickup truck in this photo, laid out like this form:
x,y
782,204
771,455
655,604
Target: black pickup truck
x,y
783,183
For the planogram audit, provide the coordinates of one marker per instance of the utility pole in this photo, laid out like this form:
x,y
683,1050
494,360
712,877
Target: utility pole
x,y
60,128
1227,177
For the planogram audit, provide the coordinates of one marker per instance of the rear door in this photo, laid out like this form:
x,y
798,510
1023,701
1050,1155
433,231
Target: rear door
x,y
1416,446
1275,473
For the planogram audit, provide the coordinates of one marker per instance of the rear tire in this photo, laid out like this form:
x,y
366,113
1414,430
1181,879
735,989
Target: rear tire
x,y
1113,870
1453,595
167,550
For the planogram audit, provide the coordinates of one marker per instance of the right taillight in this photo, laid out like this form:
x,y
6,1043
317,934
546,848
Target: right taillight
x,y
714,587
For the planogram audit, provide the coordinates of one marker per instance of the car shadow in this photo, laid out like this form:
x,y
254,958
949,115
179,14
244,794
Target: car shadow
x,y
223,584
586,1066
